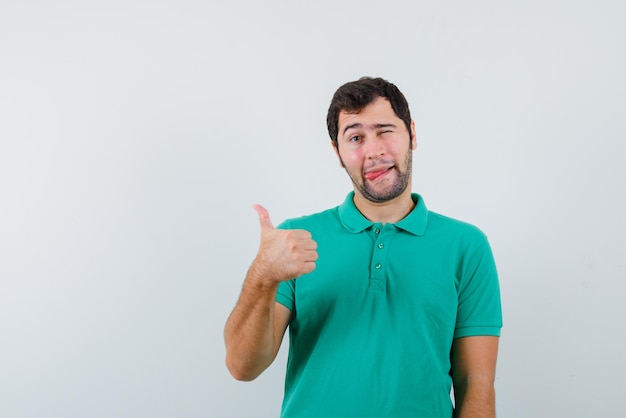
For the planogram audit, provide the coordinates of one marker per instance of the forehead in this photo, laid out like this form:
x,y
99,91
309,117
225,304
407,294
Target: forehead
x,y
377,112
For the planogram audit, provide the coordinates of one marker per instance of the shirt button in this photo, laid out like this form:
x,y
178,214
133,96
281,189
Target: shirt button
x,y
378,265
376,230
381,245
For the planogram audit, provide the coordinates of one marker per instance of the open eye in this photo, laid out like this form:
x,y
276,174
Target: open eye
x,y
354,138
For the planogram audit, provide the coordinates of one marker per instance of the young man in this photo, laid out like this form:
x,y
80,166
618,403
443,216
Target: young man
x,y
388,304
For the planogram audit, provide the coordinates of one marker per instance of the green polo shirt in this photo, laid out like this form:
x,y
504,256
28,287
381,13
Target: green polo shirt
x,y
373,324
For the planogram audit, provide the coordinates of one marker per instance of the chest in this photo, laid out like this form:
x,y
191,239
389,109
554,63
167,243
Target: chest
x,y
380,276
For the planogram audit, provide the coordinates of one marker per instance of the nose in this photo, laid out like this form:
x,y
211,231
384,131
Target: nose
x,y
375,148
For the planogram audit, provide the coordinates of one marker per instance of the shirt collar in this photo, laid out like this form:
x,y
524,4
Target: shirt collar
x,y
355,222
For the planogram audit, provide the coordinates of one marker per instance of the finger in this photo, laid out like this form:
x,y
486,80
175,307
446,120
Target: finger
x,y
308,267
311,256
264,218
309,245
298,234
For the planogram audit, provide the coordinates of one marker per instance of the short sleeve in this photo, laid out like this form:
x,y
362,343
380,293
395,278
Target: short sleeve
x,y
479,306
286,295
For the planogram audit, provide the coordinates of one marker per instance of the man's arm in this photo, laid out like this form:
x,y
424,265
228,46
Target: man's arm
x,y
255,329
473,375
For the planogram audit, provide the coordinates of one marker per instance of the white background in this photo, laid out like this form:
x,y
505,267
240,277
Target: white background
x,y
135,137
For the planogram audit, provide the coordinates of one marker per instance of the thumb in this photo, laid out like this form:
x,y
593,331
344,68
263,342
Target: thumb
x,y
264,218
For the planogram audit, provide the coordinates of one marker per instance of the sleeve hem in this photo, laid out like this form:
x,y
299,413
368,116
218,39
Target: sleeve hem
x,y
490,331
285,301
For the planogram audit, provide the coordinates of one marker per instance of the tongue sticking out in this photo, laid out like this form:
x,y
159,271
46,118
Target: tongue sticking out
x,y
373,175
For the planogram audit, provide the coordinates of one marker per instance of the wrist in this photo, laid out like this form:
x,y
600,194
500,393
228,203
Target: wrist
x,y
262,278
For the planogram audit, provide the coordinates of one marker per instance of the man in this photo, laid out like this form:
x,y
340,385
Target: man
x,y
388,304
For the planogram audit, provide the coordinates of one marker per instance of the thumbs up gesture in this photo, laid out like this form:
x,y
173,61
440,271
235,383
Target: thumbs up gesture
x,y
283,254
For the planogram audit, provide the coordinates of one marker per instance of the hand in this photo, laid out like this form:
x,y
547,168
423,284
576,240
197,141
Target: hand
x,y
283,254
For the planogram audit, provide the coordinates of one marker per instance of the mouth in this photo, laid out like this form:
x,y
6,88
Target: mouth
x,y
377,173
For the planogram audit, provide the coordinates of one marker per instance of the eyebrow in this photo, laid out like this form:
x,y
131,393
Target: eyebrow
x,y
374,126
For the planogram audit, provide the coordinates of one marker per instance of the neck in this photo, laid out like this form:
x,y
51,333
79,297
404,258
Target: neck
x,y
390,211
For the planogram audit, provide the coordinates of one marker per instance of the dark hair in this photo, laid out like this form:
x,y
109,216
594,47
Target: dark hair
x,y
356,95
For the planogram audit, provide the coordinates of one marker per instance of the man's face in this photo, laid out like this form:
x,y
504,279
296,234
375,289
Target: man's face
x,y
376,150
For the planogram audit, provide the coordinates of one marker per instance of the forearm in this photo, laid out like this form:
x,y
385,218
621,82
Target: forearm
x,y
473,375
249,331
475,400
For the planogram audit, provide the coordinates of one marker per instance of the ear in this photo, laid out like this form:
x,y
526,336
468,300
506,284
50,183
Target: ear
x,y
413,136
336,149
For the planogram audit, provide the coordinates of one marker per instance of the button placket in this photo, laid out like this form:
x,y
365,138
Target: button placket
x,y
378,270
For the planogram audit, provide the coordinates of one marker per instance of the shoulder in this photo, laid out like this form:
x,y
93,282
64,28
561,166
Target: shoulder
x,y
439,221
454,229
322,219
